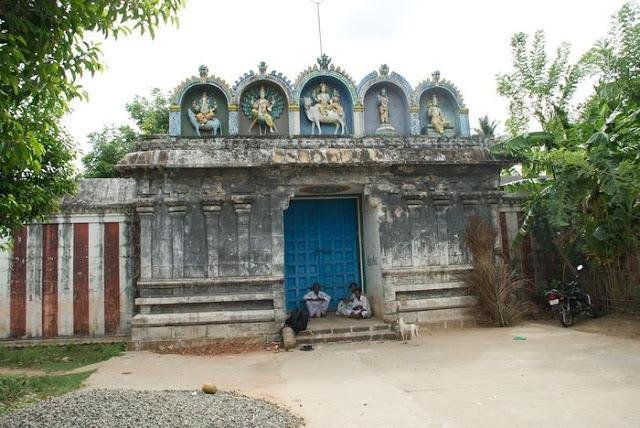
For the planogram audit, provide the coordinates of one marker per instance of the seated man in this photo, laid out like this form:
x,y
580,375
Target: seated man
x,y
317,301
345,304
360,307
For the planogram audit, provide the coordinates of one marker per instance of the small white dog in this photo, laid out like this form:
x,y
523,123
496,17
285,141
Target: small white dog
x,y
407,330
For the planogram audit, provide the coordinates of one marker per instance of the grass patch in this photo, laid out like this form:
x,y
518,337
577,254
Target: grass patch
x,y
18,391
58,357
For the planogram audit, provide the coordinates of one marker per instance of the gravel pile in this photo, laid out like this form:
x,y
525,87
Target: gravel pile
x,y
123,408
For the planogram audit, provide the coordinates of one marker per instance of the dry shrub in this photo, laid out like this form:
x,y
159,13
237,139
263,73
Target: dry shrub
x,y
500,290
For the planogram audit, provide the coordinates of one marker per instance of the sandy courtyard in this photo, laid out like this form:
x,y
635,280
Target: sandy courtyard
x,y
464,378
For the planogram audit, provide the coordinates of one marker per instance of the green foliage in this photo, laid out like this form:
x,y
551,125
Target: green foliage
x,y
29,193
58,357
583,175
486,127
108,146
151,114
18,391
43,57
538,89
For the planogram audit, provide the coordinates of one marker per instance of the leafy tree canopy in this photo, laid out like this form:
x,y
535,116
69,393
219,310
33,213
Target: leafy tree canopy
x,y
43,54
108,146
582,174
486,127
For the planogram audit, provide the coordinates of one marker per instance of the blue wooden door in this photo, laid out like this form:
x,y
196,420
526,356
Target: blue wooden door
x,y
321,245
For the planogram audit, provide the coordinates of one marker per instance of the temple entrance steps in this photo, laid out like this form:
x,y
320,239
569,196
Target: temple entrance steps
x,y
335,328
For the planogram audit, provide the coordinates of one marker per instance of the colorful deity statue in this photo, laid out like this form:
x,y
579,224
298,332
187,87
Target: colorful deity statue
x,y
204,109
261,111
435,115
323,99
383,106
335,103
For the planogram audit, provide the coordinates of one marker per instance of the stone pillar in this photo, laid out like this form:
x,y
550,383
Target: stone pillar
x,y
176,212
414,116
415,205
211,211
234,120
294,119
174,120
145,210
470,202
493,200
242,206
358,120
465,129
441,204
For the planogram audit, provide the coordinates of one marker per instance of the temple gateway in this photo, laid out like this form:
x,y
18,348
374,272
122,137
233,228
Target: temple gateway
x,y
260,190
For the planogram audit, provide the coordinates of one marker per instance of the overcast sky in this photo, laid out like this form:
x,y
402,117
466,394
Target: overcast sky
x,y
467,40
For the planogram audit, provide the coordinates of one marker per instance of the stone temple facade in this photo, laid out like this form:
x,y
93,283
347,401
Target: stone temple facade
x,y
266,187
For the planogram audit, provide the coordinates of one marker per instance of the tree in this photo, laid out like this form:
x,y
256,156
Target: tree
x,y
108,146
582,175
111,143
486,127
151,114
43,56
538,89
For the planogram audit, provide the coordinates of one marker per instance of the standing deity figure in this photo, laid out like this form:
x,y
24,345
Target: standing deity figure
x,y
323,99
261,111
204,109
383,106
435,115
335,103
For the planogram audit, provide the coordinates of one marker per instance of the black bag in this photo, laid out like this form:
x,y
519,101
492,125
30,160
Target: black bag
x,y
298,320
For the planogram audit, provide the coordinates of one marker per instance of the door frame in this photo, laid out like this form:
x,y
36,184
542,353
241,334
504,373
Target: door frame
x,y
359,231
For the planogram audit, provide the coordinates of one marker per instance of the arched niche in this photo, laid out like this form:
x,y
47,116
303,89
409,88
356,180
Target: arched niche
x,y
346,101
449,107
398,108
194,93
280,107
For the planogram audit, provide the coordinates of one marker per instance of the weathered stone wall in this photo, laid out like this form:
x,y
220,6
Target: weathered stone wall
x,y
211,230
73,273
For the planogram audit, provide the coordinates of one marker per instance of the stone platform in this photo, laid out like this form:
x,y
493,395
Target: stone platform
x,y
335,328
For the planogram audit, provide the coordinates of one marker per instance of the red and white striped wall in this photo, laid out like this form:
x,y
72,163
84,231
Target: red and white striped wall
x,y
71,276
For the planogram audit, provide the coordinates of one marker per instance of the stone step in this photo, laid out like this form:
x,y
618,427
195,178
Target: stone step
x,y
363,336
341,333
436,303
430,286
185,300
201,318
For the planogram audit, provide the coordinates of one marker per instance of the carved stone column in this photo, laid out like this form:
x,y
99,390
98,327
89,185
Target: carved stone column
x,y
493,201
465,129
470,202
414,116
294,119
234,120
176,212
242,206
441,204
145,211
358,120
415,205
174,120
211,211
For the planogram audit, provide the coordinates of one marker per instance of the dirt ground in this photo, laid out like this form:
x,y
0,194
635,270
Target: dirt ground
x,y
537,374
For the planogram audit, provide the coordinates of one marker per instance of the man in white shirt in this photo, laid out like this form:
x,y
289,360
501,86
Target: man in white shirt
x,y
360,307
317,301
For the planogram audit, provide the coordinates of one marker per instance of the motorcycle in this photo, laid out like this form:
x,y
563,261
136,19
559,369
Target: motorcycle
x,y
571,301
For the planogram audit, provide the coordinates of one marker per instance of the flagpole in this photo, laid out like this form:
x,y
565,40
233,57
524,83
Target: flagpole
x,y
317,3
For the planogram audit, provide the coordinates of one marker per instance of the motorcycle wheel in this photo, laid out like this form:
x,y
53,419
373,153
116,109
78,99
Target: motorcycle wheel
x,y
565,316
590,312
